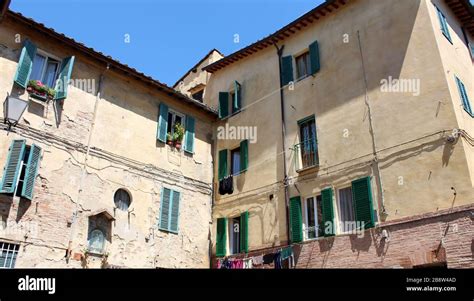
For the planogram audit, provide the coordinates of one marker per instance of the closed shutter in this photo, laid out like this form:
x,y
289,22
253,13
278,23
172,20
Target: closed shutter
x,y
286,70
31,172
362,200
244,232
244,155
221,237
463,94
189,139
25,64
64,76
314,57
174,209
12,168
296,221
443,25
223,104
162,122
165,209
237,101
328,212
222,172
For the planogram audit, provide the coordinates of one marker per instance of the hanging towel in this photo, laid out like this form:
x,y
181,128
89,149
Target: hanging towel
x,y
248,263
286,252
257,260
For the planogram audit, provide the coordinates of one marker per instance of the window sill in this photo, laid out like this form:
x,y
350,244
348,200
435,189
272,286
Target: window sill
x,y
447,38
231,115
167,231
308,168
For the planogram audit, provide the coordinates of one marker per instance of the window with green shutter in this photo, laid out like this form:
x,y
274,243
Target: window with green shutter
x,y
162,122
223,104
244,155
169,212
64,76
362,200
25,64
296,220
12,168
314,57
237,97
222,171
31,172
189,135
286,70
328,212
443,25
244,232
221,237
464,98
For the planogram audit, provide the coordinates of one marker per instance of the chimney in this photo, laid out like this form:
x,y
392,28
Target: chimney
x,y
4,4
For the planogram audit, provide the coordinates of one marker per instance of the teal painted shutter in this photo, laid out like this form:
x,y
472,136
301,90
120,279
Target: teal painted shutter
x,y
221,237
362,200
328,212
443,24
31,172
25,64
314,57
189,139
222,172
64,76
223,104
162,122
463,94
286,70
296,221
165,209
174,209
244,155
12,168
244,232
237,101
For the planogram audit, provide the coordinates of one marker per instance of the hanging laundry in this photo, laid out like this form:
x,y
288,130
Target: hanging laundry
x,y
257,260
268,258
277,260
286,252
248,263
226,185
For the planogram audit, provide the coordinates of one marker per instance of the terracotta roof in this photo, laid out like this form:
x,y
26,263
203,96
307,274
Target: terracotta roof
x,y
113,63
464,11
299,24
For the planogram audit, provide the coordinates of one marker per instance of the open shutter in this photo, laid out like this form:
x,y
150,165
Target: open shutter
x,y
189,139
25,64
223,104
244,232
64,76
362,199
31,172
296,221
174,209
165,209
222,172
286,70
329,227
237,101
314,57
463,94
221,237
443,24
12,168
162,122
244,155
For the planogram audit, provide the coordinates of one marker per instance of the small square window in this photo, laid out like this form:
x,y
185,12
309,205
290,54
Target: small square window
x,y
8,254
173,119
45,69
302,65
198,95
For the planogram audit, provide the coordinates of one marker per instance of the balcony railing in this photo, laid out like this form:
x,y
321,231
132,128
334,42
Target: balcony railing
x,y
306,154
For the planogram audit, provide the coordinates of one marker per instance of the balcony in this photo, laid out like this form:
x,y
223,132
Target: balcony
x,y
306,155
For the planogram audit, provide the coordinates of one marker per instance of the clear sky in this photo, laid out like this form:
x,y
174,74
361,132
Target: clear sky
x,y
167,37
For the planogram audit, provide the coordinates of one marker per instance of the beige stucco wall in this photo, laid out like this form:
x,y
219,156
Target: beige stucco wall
x,y
418,168
124,154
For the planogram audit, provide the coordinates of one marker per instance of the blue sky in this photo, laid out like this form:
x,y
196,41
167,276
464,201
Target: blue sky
x,y
167,37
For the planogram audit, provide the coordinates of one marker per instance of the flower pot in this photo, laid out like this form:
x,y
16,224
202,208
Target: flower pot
x,y
177,144
169,142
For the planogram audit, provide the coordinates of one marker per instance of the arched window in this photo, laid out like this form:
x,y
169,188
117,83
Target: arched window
x,y
97,241
122,199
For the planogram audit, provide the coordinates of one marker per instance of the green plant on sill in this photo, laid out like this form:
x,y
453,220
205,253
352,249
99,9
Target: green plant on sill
x,y
178,132
169,137
39,87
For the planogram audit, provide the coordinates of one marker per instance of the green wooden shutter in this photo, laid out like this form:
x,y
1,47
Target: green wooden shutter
x,y
328,212
443,24
12,168
314,57
244,232
174,209
286,70
25,64
222,172
244,155
162,123
237,101
64,76
31,172
221,237
165,209
189,138
362,201
223,104
463,94
296,221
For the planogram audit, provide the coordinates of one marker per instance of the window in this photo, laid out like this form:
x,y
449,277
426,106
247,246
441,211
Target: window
x,y
444,25
198,95
308,150
173,119
464,97
470,46
122,199
302,65
96,241
234,235
231,99
235,161
8,254
347,220
23,165
45,69
313,215
169,212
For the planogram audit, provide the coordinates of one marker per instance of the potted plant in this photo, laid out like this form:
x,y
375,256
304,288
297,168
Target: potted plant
x,y
40,90
178,135
169,139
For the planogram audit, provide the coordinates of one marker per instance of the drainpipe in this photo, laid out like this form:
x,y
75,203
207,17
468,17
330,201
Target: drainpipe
x,y
372,134
283,136
84,166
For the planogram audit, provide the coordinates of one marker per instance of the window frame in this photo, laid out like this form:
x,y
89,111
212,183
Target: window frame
x,y
337,199
175,113
23,166
303,54
316,218
129,199
443,22
232,151
300,123
230,232
104,237
48,57
9,250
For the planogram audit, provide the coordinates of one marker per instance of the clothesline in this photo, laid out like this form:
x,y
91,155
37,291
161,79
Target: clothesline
x,y
255,261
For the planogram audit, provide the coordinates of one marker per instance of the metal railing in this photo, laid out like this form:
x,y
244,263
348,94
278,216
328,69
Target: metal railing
x,y
306,154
